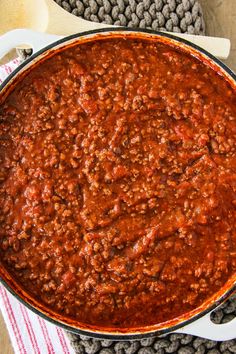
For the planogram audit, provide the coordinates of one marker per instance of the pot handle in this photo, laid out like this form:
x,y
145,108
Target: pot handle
x,y
205,328
18,37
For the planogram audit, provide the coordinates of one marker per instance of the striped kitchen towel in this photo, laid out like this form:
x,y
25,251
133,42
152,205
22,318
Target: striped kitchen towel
x,y
6,69
29,333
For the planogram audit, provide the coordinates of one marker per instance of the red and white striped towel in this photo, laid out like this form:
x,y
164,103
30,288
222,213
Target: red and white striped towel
x,y
29,333
7,69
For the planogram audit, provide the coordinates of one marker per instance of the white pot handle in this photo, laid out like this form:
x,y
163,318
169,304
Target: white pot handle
x,y
205,328
15,38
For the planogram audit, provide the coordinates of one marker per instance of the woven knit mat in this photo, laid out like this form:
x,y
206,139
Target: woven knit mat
x,y
171,343
172,15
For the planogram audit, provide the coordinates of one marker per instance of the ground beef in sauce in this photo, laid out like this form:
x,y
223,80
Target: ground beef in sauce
x,y
118,182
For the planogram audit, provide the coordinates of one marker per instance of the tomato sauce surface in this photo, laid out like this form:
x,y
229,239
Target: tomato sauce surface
x,y
118,182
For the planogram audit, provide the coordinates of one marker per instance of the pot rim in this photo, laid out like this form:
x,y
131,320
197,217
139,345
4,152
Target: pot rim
x,y
117,333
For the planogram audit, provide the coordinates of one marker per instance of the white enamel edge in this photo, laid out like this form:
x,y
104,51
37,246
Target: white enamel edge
x,y
219,47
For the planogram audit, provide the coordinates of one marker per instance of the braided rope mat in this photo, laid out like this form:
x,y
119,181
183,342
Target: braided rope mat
x,y
172,15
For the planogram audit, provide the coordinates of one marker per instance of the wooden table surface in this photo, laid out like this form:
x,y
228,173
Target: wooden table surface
x,y
220,17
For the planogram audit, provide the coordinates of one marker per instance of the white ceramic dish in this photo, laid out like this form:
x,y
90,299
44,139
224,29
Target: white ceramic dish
x,y
198,323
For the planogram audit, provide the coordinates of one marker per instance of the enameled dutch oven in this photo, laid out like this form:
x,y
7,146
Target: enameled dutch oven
x,y
196,322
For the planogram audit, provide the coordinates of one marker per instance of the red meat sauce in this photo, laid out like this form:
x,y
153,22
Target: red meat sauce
x,y
118,182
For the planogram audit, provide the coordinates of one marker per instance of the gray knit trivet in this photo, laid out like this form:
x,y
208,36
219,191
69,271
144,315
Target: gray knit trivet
x,y
170,15
172,343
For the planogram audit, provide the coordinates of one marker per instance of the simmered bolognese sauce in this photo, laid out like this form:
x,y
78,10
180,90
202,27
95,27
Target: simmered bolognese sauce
x,y
118,182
